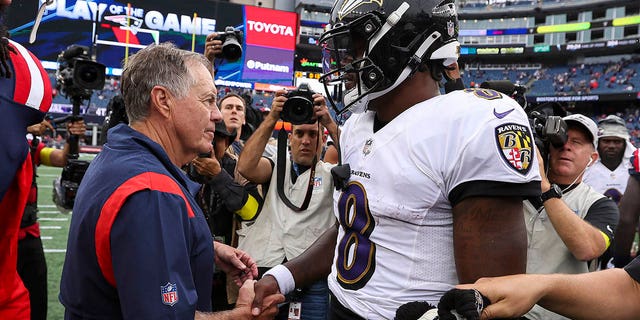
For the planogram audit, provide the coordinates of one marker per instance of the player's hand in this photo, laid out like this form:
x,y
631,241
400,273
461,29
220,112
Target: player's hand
x,y
38,129
265,288
468,303
77,127
212,47
237,264
208,167
245,298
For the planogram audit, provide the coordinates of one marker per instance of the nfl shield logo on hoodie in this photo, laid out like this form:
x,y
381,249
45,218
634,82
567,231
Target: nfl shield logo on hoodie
x,y
169,294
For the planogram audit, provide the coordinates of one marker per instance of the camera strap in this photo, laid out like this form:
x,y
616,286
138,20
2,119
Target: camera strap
x,y
282,167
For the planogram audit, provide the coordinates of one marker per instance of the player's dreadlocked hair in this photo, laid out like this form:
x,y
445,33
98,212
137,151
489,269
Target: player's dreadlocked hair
x,y
5,71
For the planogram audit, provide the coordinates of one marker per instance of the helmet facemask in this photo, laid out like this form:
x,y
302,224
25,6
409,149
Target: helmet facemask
x,y
387,50
345,62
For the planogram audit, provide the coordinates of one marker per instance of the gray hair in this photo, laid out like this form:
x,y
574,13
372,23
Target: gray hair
x,y
157,65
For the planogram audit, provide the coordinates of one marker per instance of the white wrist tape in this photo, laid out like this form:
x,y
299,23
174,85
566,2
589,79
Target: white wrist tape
x,y
283,277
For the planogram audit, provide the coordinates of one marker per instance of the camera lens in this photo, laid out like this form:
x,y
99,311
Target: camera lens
x,y
89,74
298,110
231,49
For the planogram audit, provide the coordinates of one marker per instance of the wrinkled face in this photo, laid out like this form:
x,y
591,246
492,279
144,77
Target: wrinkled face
x,y
304,143
569,161
611,148
194,116
233,111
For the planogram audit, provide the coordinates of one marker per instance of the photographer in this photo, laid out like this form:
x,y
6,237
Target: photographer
x,y
225,45
280,232
32,266
570,224
225,198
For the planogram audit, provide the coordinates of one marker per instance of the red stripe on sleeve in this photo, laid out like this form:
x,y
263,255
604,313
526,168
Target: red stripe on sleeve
x,y
47,97
145,181
22,76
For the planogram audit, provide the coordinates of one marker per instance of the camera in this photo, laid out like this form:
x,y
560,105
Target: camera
x,y
298,109
77,74
66,186
231,43
76,78
545,119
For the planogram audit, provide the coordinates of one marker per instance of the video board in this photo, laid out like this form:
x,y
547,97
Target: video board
x,y
116,28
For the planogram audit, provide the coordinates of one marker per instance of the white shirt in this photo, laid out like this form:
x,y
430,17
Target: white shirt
x,y
395,243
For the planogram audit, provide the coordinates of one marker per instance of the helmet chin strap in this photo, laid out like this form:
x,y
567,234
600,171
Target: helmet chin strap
x,y
361,104
412,65
392,20
351,100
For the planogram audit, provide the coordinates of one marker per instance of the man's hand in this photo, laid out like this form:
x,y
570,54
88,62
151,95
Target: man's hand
x,y
264,289
246,296
208,167
277,105
212,48
321,110
237,264
510,296
545,185
77,127
39,128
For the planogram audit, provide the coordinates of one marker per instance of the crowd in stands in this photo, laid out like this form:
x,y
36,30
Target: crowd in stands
x,y
600,78
505,4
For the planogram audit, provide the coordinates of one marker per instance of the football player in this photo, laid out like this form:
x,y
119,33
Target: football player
x,y
25,97
434,193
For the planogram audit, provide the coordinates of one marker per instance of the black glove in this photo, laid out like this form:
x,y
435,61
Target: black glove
x,y
413,310
467,303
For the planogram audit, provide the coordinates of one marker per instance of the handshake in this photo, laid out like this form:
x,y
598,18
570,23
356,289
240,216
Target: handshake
x,y
242,269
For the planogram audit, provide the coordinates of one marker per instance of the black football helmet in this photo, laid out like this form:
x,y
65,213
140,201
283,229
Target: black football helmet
x,y
371,46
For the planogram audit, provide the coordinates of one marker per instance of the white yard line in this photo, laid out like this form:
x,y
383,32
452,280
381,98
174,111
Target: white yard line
x,y
55,250
53,219
50,227
48,212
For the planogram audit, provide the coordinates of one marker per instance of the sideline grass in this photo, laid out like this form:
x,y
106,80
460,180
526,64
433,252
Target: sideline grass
x,y
54,227
55,230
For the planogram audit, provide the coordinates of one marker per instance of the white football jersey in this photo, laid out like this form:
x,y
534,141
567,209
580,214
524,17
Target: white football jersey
x,y
610,183
395,243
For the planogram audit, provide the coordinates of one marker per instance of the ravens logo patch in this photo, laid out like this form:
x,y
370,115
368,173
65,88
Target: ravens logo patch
x,y
516,146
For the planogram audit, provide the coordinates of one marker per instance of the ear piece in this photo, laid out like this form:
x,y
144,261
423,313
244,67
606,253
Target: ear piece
x,y
590,161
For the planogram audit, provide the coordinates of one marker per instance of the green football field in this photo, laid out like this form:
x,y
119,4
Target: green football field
x,y
54,227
